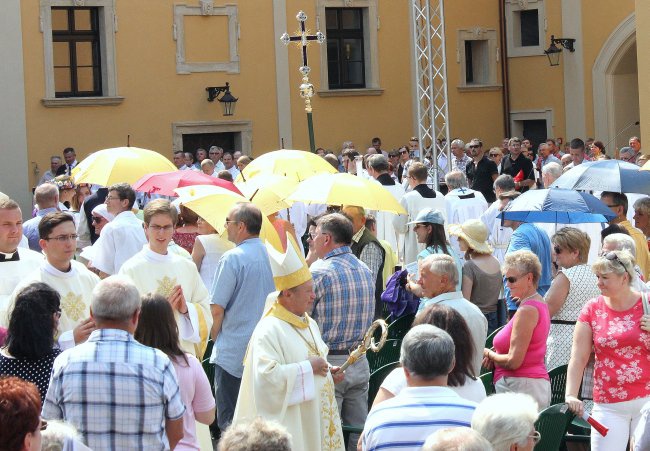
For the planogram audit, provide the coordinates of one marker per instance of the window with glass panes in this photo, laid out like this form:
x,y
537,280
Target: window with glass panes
x,y
345,48
76,48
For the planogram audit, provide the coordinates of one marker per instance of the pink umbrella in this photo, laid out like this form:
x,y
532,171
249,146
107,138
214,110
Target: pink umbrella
x,y
164,183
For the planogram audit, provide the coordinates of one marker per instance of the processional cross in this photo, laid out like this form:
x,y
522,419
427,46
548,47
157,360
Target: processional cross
x,y
302,38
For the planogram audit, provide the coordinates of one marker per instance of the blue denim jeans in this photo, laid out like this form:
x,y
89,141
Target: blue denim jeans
x,y
493,322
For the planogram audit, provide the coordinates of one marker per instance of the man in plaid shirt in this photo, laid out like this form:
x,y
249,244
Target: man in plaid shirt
x,y
118,393
343,308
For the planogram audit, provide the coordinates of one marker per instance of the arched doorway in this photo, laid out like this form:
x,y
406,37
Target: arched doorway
x,y
616,87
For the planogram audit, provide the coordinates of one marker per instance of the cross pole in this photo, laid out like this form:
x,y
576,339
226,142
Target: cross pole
x,y
302,38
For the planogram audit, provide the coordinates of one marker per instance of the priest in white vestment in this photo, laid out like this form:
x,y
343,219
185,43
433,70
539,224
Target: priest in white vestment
x,y
286,375
15,263
155,269
72,280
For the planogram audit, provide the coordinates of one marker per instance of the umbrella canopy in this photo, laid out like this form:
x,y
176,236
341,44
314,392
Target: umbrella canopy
x,y
269,191
166,182
606,175
296,165
555,205
346,189
120,165
213,203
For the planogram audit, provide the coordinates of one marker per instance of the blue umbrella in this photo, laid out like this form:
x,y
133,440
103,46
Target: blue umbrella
x,y
559,206
605,175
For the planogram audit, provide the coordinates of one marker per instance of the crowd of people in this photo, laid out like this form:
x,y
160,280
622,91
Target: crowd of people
x,y
110,300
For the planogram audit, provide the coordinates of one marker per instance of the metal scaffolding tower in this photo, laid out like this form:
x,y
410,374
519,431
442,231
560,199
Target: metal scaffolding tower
x,y
431,79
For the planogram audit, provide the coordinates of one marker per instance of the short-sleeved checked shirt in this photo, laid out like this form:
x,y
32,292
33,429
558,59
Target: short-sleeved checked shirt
x,y
345,298
115,391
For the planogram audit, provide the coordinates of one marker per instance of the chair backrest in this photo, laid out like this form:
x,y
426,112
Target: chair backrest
x,y
488,382
552,424
557,377
490,339
376,378
398,328
388,354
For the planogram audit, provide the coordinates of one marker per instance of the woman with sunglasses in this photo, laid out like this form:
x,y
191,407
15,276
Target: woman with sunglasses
x,y
29,352
574,284
520,347
614,326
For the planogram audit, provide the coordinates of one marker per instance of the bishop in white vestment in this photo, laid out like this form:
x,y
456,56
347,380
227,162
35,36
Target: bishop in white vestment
x,y
286,375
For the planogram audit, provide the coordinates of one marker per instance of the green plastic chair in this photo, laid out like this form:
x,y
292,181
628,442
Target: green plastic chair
x,y
388,354
552,424
558,383
488,382
398,328
376,378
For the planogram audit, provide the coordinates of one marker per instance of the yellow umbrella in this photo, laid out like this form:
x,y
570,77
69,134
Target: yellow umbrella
x,y
346,189
269,192
296,165
120,165
213,203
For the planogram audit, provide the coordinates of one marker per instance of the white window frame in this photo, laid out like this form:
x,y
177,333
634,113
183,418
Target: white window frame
x,y
513,27
478,34
370,44
107,30
206,9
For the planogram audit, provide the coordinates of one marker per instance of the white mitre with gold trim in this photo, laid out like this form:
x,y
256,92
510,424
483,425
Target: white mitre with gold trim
x,y
289,268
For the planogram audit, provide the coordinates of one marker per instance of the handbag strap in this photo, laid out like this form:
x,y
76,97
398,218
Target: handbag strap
x,y
646,306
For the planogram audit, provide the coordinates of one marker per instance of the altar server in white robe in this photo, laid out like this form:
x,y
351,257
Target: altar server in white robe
x,y
71,279
286,375
155,269
15,263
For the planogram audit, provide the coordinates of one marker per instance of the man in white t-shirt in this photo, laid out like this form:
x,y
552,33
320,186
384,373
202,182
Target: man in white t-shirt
x,y
121,238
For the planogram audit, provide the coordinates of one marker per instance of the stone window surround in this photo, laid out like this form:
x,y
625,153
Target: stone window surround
x,y
516,116
206,9
513,6
243,141
478,34
108,28
371,47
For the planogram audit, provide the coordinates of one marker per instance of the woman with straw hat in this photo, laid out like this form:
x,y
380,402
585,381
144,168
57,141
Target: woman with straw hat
x,y
482,280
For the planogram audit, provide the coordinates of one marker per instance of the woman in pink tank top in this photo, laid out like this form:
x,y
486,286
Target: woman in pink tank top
x,y
519,348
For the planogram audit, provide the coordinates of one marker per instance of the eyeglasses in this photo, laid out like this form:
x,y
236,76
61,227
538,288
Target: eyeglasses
x,y
157,228
513,279
311,236
403,151
57,313
97,219
112,198
64,238
536,436
43,425
494,154
613,206
557,250
228,221
474,146
613,256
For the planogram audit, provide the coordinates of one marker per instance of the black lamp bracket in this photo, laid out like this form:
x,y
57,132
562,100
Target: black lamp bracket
x,y
214,91
567,43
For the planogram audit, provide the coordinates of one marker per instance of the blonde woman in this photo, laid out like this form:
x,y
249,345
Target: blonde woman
x,y
614,326
520,347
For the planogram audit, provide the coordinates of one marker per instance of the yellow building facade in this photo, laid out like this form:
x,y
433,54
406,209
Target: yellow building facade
x,y
154,59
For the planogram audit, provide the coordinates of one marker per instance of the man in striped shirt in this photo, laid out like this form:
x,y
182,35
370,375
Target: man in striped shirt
x,y
426,404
